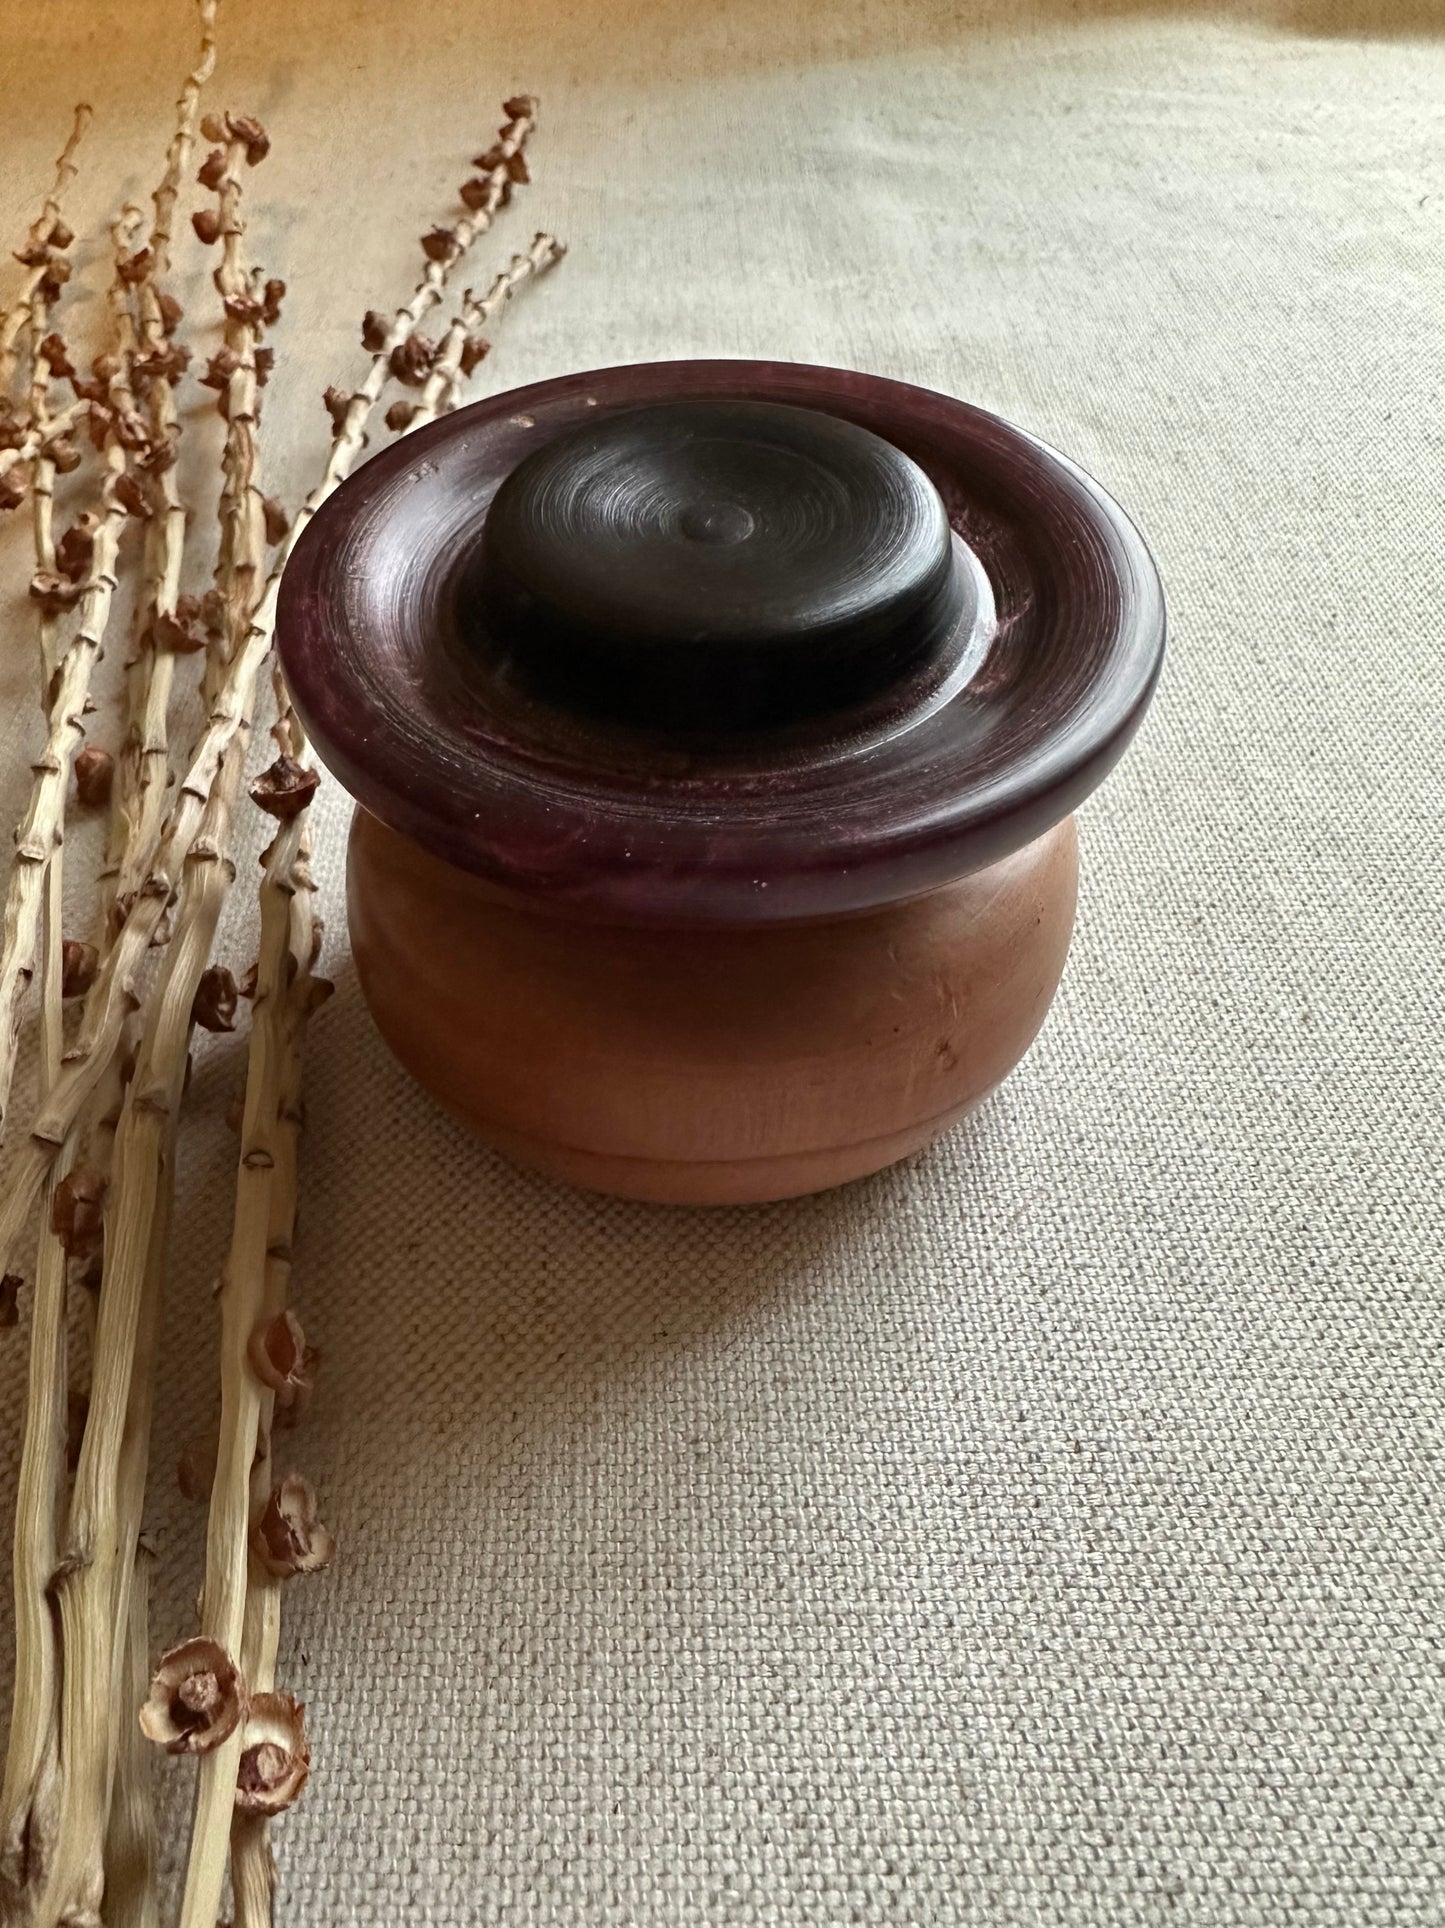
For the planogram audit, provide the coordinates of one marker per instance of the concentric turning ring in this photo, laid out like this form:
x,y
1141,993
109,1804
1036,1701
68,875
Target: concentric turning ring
x,y
715,566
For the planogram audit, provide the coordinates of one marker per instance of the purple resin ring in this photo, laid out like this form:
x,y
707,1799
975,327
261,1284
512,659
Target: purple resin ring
x,y
531,706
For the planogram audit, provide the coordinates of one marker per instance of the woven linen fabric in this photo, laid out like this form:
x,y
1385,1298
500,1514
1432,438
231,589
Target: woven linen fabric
x,y
1048,1531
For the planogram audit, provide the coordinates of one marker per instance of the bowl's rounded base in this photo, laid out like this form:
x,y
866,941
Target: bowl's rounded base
x,y
707,1067
739,1181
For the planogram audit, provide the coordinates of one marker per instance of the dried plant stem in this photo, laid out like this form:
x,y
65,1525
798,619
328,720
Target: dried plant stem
x,y
129,1847
43,827
39,436
105,1007
230,1615
243,529
253,1868
26,1803
130,1842
223,1603
18,313
429,290
42,483
98,1549
442,388
140,791
25,1823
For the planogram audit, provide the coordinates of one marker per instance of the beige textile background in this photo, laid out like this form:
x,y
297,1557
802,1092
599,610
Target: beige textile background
x,y
1050,1531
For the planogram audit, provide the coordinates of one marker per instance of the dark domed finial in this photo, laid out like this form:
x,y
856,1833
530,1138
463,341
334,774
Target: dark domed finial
x,y
714,566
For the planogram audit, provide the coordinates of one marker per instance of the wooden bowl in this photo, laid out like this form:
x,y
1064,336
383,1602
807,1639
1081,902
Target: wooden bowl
x,y
715,728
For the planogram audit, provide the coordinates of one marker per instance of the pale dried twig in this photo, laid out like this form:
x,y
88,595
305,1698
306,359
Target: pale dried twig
x,y
105,1010
284,925
48,236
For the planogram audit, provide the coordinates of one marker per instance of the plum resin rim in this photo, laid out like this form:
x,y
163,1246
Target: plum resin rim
x,y
1066,649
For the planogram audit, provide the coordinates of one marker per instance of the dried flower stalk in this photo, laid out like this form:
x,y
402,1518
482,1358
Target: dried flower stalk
x,y
85,1065
42,236
109,1484
28,1803
139,803
79,1805
42,828
458,352
274,1044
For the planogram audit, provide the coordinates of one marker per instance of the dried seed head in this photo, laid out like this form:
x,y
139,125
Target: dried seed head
x,y
476,194
375,328
171,313
475,350
400,415
265,360
131,496
517,169
170,361
131,430
247,985
135,267
94,774
214,1005
98,417
76,547
220,368
284,790
244,308
410,361
213,126
160,454
337,403
177,633
207,224
495,157
64,452
10,1299
275,1756
213,168
520,107
61,235
77,1212
272,295
245,127
196,1467
79,964
197,1699
213,612
289,1537
439,244
12,490
278,523
59,362
53,592
54,279
281,1358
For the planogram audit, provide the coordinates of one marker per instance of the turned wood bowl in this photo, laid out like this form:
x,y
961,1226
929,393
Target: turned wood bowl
x,y
715,730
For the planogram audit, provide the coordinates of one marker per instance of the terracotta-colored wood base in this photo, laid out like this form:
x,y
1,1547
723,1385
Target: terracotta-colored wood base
x,y
707,1067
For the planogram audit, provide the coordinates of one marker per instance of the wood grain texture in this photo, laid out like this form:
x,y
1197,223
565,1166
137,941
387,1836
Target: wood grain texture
x,y
707,1067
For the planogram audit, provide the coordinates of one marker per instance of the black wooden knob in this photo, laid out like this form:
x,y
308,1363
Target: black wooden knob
x,y
714,565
